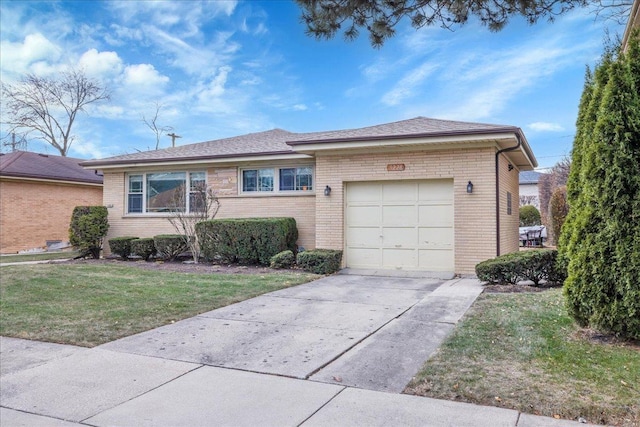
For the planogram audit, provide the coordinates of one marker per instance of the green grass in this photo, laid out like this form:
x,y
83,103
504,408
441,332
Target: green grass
x,y
88,305
522,351
37,257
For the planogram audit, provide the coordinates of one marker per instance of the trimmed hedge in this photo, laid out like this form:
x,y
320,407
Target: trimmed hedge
x,y
170,246
121,246
247,241
144,247
88,227
536,266
284,259
320,261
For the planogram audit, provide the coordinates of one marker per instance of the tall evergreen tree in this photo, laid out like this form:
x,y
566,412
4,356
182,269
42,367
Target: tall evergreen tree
x,y
601,237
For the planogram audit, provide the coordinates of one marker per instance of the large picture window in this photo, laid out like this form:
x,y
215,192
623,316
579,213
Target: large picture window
x,y
161,192
276,180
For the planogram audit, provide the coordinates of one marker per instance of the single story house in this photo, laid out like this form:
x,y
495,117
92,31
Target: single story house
x,y
529,194
419,194
37,195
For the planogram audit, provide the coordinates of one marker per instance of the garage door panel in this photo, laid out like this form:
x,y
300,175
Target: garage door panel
x,y
435,237
399,192
441,190
363,237
433,260
364,215
436,215
363,192
399,215
399,258
365,257
400,237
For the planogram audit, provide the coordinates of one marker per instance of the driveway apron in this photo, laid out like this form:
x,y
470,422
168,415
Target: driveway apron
x,y
365,331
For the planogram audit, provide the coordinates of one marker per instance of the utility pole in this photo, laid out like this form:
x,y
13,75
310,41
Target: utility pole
x,y
173,138
15,144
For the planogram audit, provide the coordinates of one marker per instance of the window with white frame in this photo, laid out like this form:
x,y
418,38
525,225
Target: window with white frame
x,y
277,180
161,192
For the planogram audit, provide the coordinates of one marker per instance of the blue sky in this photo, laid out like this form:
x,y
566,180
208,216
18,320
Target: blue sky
x,y
222,69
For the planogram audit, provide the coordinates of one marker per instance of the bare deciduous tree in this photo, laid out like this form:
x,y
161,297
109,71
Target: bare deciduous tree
x,y
154,126
548,183
49,106
187,210
527,200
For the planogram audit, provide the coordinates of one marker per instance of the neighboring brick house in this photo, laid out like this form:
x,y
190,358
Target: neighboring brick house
x,y
529,194
37,195
392,196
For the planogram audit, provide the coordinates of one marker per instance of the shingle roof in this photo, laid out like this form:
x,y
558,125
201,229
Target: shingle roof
x,y
419,126
529,177
24,164
278,141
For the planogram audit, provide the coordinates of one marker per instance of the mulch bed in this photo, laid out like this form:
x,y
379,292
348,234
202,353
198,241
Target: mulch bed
x,y
504,289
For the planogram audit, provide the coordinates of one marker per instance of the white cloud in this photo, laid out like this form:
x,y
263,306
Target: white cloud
x,y
545,127
300,107
143,75
19,57
100,64
406,87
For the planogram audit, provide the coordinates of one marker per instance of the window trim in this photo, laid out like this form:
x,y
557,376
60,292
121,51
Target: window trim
x,y
276,181
143,193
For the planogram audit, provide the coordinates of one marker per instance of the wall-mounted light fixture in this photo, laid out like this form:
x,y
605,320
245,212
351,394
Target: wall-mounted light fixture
x,y
327,191
470,187
510,167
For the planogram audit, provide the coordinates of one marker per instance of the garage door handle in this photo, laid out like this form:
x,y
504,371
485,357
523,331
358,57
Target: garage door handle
x,y
398,246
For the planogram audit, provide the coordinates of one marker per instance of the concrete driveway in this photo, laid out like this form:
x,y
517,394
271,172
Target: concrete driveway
x,y
363,331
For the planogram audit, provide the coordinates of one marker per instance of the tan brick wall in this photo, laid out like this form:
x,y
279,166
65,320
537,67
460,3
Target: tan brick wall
x,y
509,182
32,212
224,181
474,222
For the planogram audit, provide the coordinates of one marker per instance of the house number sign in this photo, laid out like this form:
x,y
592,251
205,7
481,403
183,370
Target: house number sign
x,y
395,167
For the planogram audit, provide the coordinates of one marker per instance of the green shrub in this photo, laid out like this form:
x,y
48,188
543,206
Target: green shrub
x,y
320,261
121,246
170,246
144,248
536,266
529,216
89,226
284,259
248,241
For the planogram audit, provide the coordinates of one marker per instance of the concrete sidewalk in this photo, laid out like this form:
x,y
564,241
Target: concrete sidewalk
x,y
315,354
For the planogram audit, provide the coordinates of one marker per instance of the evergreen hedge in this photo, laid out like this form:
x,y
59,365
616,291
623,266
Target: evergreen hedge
x,y
600,240
89,226
144,248
121,246
320,261
537,266
284,259
249,241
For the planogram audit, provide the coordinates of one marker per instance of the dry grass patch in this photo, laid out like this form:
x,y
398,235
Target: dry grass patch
x,y
522,351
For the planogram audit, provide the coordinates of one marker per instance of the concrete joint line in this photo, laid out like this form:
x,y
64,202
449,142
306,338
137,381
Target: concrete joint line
x,y
142,394
356,343
321,407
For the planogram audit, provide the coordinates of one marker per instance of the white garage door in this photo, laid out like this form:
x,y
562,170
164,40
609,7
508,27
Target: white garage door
x,y
403,225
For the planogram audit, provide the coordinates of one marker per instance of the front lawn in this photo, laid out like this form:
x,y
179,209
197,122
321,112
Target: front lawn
x,y
42,256
88,305
522,351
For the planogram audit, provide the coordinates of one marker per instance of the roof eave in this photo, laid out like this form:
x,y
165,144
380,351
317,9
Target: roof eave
x,y
192,160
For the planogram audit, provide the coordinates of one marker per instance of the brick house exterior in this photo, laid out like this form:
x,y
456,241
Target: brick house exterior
x,y
37,195
392,196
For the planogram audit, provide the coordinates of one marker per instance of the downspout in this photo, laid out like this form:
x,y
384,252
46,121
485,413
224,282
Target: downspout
x,y
498,189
